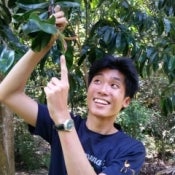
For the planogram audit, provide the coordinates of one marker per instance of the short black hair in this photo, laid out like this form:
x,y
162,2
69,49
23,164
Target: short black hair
x,y
122,64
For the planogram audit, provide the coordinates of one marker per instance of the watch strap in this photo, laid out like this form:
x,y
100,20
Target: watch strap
x,y
59,127
66,126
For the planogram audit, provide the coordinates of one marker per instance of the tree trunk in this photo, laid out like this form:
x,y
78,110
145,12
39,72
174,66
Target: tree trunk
x,y
7,164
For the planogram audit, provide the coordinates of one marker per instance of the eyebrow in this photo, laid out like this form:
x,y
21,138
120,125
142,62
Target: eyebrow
x,y
114,78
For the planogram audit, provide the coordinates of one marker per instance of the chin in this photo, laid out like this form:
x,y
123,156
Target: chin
x,y
100,114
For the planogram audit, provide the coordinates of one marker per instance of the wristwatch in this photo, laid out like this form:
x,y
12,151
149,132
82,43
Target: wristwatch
x,y
66,126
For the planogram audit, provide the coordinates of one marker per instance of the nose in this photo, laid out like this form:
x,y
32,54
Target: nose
x,y
104,89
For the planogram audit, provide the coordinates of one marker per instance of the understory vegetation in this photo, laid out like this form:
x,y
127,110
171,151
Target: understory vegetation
x,y
143,30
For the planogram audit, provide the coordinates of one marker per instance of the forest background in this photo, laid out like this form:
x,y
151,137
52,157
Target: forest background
x,y
143,30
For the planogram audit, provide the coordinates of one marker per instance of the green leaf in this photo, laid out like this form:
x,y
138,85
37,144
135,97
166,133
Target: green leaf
x,y
69,55
47,26
43,39
33,6
84,51
167,25
160,26
68,4
23,17
107,36
152,55
6,59
165,64
55,52
125,4
171,64
173,102
163,107
142,64
167,105
13,39
5,15
149,51
30,27
118,40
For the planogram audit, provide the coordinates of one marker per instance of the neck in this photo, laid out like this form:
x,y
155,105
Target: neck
x,y
100,125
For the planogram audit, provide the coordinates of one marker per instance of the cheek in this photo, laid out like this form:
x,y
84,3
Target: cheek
x,y
118,101
89,96
90,91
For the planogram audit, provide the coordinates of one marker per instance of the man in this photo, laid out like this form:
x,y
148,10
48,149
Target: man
x,y
95,145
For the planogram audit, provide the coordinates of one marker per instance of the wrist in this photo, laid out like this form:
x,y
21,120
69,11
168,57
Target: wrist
x,y
61,118
68,125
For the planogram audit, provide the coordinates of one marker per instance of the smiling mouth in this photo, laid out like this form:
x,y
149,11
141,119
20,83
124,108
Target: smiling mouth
x,y
101,101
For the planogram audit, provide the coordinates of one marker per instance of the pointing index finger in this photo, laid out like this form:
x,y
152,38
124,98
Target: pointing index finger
x,y
64,72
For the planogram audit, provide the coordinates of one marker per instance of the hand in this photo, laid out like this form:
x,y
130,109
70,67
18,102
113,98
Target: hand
x,y
61,20
61,23
57,95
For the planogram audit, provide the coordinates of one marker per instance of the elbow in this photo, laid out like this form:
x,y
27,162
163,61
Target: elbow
x,y
1,97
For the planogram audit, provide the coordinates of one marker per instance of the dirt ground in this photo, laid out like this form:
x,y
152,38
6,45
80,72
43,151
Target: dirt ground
x,y
157,167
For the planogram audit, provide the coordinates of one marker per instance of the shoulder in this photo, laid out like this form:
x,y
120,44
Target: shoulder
x,y
133,147
43,117
129,150
42,110
128,144
129,139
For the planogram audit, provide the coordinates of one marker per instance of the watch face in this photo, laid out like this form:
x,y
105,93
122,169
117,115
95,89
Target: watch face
x,y
69,125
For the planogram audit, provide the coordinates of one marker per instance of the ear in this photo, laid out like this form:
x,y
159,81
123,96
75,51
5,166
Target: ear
x,y
126,102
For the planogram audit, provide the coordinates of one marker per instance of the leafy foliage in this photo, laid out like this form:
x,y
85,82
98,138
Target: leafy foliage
x,y
143,30
26,149
160,127
135,119
7,59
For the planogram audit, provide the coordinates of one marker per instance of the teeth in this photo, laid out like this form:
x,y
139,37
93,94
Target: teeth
x,y
97,100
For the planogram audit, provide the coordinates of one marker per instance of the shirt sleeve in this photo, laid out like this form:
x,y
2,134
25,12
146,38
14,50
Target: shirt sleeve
x,y
44,124
128,162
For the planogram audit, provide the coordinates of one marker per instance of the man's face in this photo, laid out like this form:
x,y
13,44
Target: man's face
x,y
106,94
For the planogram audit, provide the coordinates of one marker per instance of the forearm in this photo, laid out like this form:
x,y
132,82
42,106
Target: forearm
x,y
57,96
74,155
16,79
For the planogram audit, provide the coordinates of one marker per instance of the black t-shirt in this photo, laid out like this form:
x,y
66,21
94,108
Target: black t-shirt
x,y
115,154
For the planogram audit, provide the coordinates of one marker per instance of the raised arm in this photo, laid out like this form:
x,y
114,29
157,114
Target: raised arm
x,y
57,94
12,87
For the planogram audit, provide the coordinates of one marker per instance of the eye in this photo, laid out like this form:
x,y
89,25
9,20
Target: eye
x,y
115,86
96,81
